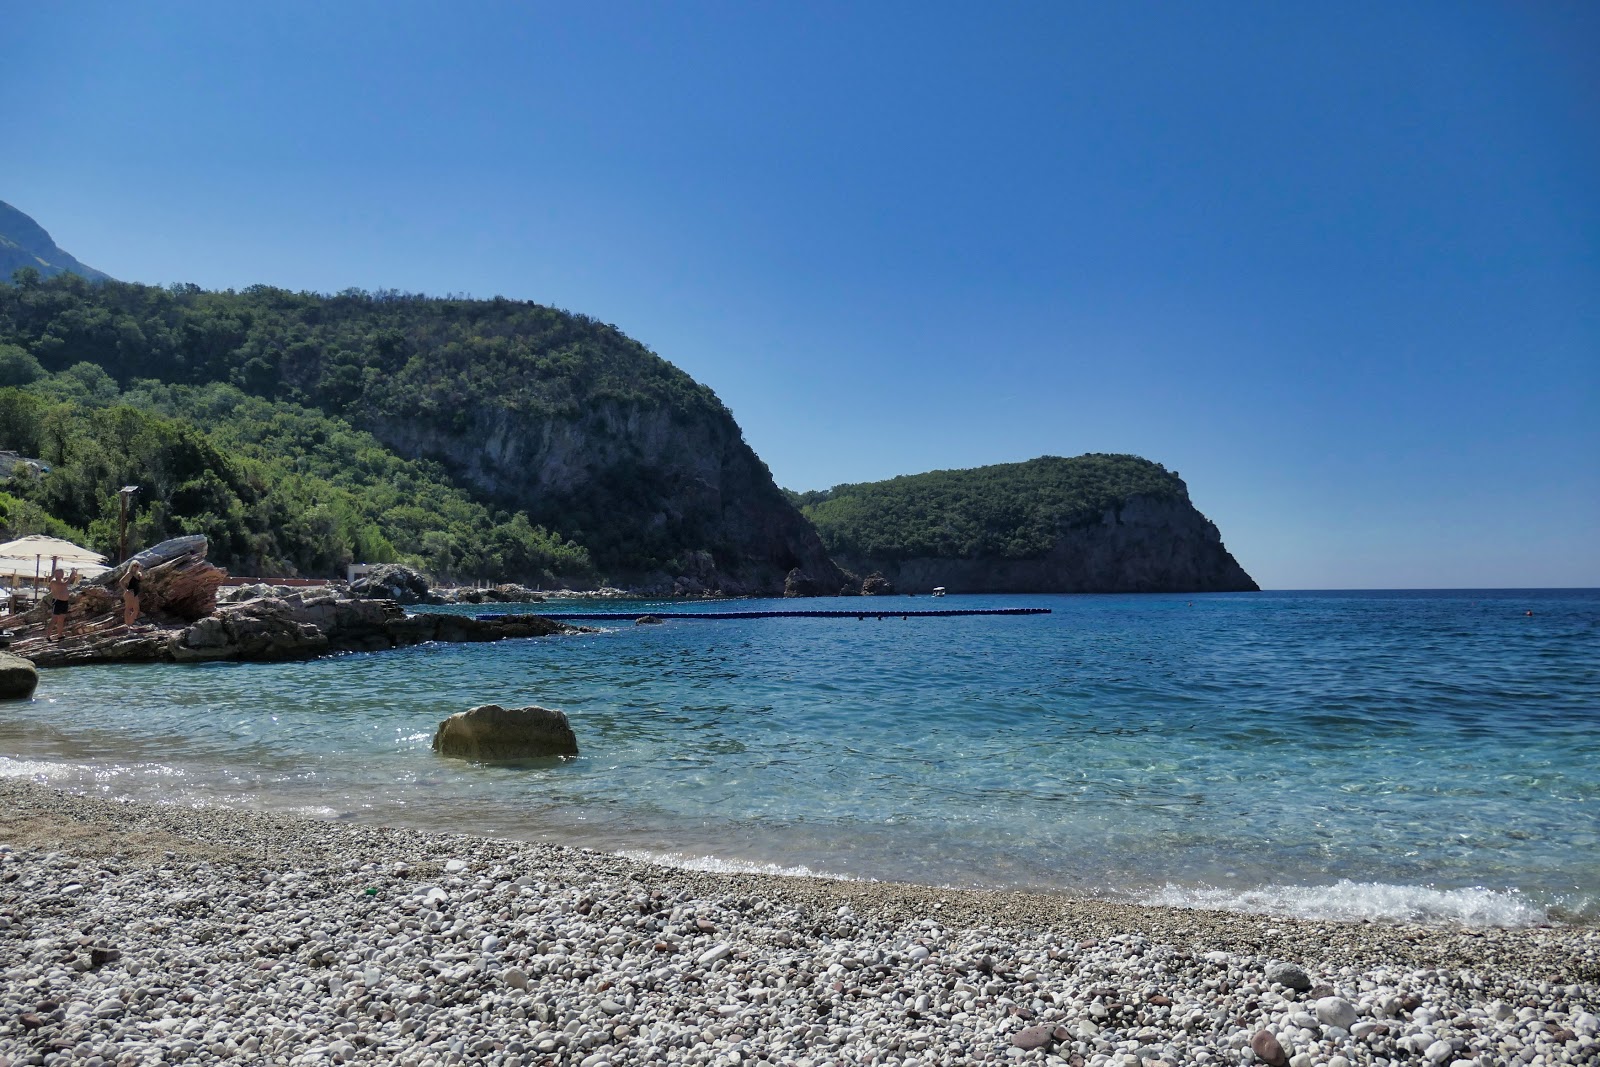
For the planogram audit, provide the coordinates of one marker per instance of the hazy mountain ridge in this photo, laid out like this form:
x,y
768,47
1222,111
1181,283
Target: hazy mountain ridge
x,y
24,243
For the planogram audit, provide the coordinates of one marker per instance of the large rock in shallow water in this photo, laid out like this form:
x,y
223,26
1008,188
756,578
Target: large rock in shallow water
x,y
875,584
799,583
491,732
18,677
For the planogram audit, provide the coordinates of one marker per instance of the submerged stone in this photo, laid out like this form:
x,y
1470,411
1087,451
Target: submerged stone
x,y
18,677
490,732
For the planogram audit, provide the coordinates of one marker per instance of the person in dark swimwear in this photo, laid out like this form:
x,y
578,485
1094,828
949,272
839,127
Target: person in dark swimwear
x,y
59,593
130,593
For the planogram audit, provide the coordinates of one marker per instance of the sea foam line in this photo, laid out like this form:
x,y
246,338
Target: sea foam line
x,y
1349,901
718,865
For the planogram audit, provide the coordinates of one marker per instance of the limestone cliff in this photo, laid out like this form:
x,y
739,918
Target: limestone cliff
x,y
1094,524
698,501
1147,546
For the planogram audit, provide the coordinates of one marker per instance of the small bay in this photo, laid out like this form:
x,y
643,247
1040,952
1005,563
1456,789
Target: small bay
x,y
1416,755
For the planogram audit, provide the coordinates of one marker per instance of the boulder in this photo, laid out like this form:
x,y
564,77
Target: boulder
x,y
799,583
875,584
18,677
391,581
490,732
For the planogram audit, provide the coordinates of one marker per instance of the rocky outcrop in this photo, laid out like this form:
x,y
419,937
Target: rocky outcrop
x,y
391,581
798,583
178,587
18,677
1146,545
490,732
875,584
186,622
683,477
509,593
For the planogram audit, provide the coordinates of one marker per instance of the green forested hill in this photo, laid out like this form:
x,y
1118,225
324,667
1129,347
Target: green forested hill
x,y
278,489
481,438
1008,511
1091,524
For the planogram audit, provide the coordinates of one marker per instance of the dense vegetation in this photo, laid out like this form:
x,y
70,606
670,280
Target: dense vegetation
x,y
288,389
1008,511
261,417
279,490
238,415
362,355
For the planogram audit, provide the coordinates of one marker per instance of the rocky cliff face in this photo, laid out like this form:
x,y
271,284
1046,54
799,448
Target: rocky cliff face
x,y
1147,545
703,504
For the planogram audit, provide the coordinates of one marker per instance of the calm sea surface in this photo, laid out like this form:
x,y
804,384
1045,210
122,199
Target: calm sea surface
x,y
1417,755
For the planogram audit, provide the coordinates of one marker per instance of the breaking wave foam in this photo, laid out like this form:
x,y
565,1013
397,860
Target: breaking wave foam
x,y
717,865
1353,901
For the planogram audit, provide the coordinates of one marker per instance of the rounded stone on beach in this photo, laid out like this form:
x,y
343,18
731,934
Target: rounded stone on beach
x,y
715,953
1290,976
1033,1037
1336,1011
1438,1052
1267,1049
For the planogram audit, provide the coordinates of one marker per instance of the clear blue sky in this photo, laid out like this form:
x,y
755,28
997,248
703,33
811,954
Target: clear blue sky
x,y
1339,265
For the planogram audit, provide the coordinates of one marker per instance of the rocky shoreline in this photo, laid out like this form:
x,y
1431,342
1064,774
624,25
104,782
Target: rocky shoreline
x,y
140,934
187,616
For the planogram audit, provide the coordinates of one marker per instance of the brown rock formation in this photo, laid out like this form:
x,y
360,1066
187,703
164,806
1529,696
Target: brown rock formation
x,y
490,732
183,623
178,587
18,678
875,584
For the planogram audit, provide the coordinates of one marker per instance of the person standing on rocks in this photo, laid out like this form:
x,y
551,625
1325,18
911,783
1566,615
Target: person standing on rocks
x,y
131,582
60,593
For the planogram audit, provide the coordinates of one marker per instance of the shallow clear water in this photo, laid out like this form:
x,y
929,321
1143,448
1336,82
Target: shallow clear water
x,y
1416,755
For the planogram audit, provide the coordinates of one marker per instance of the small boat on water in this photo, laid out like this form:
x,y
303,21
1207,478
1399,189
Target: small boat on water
x,y
938,590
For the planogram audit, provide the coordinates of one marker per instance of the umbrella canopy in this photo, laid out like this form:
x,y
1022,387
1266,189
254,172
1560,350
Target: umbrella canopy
x,y
31,556
28,566
45,547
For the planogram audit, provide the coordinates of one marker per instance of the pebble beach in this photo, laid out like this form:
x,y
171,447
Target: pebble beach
x,y
134,933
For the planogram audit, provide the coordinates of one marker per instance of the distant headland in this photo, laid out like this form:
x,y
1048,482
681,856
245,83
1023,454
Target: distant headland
x,y
501,441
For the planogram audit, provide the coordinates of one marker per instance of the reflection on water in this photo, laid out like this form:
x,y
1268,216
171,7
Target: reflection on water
x,y
1122,744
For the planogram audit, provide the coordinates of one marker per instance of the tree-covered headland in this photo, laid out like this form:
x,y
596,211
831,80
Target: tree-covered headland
x,y
1006,511
250,416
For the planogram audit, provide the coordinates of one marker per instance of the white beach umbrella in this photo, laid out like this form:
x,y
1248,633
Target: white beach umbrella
x,y
32,566
46,547
32,557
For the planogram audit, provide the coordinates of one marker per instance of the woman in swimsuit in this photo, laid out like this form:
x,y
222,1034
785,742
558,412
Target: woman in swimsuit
x,y
58,612
130,594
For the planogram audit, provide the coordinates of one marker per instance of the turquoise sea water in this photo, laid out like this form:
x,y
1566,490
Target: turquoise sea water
x,y
1421,755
